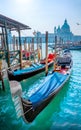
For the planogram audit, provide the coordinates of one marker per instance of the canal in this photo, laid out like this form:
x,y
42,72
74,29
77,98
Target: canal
x,y
63,112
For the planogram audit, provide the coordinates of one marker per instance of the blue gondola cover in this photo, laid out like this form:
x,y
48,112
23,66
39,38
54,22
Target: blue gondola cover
x,y
52,82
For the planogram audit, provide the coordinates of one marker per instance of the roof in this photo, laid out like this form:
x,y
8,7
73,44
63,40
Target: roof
x,y
12,24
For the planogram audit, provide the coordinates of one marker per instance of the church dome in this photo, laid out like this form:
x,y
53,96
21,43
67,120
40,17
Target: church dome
x,y
65,27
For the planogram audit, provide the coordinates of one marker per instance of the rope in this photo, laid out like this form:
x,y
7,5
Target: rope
x,y
28,110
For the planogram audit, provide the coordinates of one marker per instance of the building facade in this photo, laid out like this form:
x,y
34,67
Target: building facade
x,y
62,32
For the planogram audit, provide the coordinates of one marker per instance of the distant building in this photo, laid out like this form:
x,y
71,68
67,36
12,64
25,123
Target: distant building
x,y
65,33
62,32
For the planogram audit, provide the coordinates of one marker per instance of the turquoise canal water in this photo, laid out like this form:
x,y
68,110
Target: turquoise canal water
x,y
63,112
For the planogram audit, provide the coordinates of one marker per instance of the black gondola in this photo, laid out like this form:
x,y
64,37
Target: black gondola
x,y
25,73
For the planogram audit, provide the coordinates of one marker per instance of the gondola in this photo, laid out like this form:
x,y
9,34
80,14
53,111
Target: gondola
x,y
25,73
48,89
50,58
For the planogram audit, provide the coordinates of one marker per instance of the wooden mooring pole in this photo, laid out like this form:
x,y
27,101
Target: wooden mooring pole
x,y
16,44
41,46
7,55
33,49
55,53
29,51
25,45
46,53
1,77
20,45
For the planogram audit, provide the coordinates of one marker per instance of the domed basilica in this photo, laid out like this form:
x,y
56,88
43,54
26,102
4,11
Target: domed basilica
x,y
64,32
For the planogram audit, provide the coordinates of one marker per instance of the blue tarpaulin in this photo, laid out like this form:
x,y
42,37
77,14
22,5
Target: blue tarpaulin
x,y
29,69
51,83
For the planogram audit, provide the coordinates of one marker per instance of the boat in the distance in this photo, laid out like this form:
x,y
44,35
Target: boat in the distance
x,y
70,46
49,88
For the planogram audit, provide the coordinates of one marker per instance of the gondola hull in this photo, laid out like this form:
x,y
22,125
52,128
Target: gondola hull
x,y
26,75
30,113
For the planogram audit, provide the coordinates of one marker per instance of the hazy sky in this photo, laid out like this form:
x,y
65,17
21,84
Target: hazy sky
x,y
43,15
